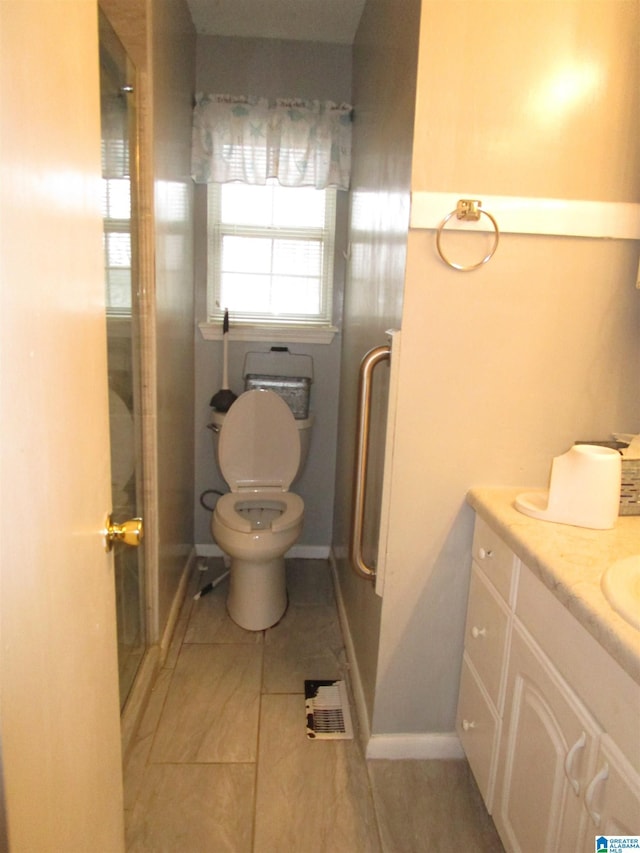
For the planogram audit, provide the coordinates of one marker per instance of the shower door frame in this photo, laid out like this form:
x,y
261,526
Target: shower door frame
x,y
143,208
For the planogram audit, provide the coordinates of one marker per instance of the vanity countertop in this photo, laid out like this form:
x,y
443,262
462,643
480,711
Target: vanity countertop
x,y
570,561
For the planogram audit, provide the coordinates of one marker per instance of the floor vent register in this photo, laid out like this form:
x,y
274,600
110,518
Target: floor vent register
x,y
327,710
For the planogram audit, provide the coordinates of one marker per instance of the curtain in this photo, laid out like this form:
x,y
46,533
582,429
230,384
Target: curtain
x,y
300,143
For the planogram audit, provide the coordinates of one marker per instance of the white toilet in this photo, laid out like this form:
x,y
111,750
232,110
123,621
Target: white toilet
x,y
259,453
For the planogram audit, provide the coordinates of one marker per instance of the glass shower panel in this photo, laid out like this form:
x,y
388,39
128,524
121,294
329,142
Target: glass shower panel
x,y
119,149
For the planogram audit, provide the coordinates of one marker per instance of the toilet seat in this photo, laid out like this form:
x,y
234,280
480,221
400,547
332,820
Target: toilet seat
x,y
259,444
230,506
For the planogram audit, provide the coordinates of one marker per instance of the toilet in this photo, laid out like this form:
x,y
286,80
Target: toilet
x,y
259,451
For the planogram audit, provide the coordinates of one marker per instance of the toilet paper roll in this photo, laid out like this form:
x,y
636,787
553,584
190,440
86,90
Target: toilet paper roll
x,y
584,489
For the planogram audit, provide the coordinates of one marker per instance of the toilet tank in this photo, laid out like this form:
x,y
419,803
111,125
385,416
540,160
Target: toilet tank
x,y
304,426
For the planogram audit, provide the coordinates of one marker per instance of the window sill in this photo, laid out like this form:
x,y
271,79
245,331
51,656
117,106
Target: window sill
x,y
271,334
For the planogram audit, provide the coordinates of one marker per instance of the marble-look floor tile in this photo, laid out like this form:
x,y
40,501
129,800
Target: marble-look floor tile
x,y
198,579
309,582
139,754
430,805
210,622
305,644
193,808
312,796
212,707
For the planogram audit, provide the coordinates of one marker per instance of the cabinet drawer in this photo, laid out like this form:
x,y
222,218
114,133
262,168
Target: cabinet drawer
x,y
477,726
495,558
486,634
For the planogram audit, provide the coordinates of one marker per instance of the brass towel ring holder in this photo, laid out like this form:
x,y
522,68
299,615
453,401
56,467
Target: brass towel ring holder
x,y
468,210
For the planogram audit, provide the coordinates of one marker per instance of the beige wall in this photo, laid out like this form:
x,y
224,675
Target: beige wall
x,y
385,59
505,367
529,98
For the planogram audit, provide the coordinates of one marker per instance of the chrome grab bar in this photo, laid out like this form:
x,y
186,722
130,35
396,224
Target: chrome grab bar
x,y
367,366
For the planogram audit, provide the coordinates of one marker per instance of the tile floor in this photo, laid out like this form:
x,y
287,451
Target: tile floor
x,y
222,762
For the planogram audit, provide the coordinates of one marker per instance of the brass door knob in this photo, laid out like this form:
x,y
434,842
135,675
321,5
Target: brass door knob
x,y
130,532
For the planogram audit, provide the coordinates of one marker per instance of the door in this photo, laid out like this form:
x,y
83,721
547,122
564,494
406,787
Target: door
x,y
119,211
58,661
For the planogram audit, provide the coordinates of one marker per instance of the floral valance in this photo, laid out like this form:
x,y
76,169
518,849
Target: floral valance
x,y
301,143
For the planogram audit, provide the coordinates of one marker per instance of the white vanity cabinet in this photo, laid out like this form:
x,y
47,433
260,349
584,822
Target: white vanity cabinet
x,y
488,625
551,725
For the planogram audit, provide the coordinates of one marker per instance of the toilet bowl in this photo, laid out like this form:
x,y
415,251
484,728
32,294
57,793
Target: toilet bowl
x,y
256,523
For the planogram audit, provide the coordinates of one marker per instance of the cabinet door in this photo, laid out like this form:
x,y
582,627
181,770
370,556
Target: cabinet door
x,y
612,797
546,757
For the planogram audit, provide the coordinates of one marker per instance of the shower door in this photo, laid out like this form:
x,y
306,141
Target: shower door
x,y
119,160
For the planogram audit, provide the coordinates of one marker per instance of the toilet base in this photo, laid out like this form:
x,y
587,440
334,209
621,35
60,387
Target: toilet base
x,y
257,596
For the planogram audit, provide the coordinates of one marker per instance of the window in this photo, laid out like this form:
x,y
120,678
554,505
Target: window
x,y
270,254
116,217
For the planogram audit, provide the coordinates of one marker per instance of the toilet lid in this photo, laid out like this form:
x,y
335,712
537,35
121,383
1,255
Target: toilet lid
x,y
259,444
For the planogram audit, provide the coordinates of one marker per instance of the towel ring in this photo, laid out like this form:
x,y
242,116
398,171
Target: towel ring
x,y
468,210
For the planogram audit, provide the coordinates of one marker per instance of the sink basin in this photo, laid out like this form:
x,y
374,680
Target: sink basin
x,y
621,586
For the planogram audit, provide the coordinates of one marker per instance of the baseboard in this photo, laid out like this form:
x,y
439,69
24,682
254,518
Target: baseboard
x,y
309,552
354,672
298,552
208,551
428,745
176,605
392,746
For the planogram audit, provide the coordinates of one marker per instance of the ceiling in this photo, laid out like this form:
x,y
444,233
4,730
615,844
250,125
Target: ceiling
x,y
302,20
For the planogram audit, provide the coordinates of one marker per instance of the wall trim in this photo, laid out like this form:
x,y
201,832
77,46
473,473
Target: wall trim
x,y
522,215
433,745
298,552
354,672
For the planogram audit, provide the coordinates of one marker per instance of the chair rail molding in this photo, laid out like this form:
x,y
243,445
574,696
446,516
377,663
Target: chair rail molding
x,y
531,215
